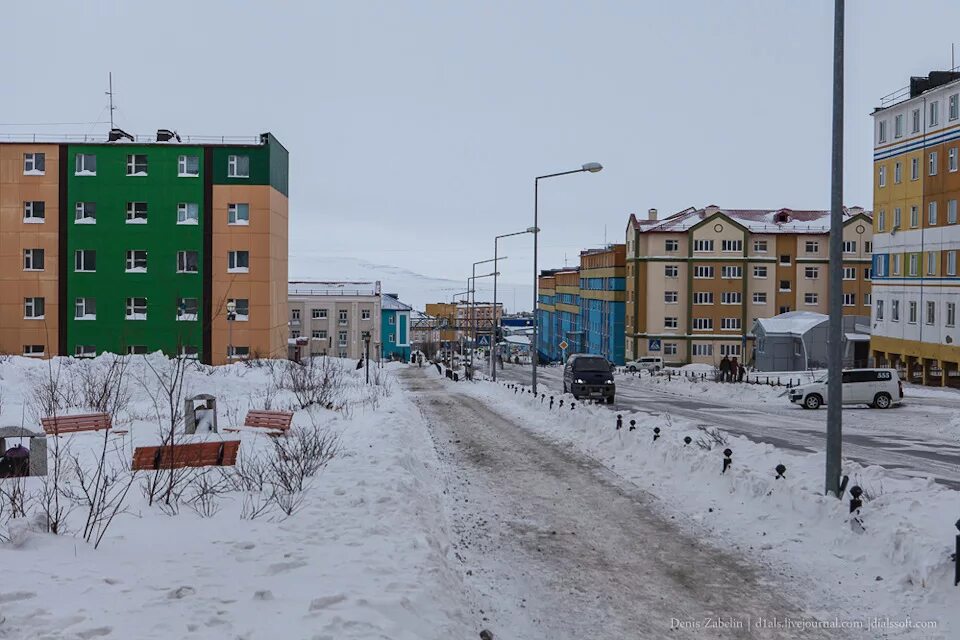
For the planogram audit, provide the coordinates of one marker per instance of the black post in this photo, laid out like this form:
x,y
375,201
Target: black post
x,y
727,459
366,357
956,569
619,422
633,425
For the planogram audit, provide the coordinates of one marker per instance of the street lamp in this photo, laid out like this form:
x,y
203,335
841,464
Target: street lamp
x,y
231,316
496,324
472,286
590,167
454,316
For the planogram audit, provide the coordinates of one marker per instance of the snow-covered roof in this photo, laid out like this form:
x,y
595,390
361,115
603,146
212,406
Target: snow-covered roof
x,y
755,220
792,322
390,303
332,288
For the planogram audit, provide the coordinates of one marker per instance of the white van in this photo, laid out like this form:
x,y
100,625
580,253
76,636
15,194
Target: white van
x,y
645,363
879,388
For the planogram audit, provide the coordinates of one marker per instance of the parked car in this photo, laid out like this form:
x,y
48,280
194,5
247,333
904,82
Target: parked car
x,y
645,363
879,388
589,376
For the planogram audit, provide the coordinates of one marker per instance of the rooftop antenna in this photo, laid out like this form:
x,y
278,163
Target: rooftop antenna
x,y
110,93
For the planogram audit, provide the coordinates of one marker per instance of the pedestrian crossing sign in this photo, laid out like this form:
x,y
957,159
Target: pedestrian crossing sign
x,y
483,341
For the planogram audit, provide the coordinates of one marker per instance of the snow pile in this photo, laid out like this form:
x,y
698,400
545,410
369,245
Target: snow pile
x,y
899,566
366,553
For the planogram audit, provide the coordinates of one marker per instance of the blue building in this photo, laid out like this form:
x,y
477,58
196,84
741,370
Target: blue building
x,y
394,327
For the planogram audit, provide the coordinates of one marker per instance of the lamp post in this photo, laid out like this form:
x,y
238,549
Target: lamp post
x,y
590,167
454,316
472,285
496,323
366,354
231,316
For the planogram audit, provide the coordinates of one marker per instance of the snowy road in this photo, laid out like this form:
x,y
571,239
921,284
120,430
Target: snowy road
x,y
557,546
866,438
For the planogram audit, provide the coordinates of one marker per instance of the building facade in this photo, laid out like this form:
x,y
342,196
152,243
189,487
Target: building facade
x,y
458,319
137,246
917,237
395,322
336,317
697,280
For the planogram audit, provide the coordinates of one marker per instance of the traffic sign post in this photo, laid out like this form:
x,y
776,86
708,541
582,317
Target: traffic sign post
x,y
563,351
653,344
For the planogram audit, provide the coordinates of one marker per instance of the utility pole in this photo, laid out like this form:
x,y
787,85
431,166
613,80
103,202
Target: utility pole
x,y
835,305
110,93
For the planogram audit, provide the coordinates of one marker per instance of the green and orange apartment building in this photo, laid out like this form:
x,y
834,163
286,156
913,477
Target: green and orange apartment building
x,y
134,246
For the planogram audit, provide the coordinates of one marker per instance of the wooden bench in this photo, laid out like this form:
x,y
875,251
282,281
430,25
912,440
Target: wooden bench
x,y
277,420
195,454
59,425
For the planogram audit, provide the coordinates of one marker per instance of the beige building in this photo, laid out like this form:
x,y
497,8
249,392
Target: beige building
x,y
697,280
335,317
457,319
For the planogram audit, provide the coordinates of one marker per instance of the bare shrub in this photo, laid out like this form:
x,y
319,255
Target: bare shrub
x,y
286,500
317,382
104,389
204,493
14,504
256,505
712,437
300,455
101,492
169,376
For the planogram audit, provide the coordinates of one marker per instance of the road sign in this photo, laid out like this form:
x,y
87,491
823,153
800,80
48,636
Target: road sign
x,y
563,345
653,344
483,341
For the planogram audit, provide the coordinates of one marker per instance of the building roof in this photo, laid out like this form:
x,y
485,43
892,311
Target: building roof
x,y
332,288
755,220
792,322
389,302
139,139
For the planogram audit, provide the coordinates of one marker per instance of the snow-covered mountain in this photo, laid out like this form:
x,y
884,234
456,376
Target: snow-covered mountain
x,y
415,289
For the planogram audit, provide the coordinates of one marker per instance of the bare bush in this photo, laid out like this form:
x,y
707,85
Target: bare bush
x,y
300,455
712,437
317,382
256,505
104,389
14,504
169,376
286,500
204,493
102,492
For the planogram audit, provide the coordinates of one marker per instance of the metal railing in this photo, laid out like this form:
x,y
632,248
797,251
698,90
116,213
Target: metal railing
x,y
96,138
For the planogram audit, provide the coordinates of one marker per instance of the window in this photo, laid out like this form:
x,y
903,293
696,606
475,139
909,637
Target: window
x,y
760,297
703,246
951,212
34,164
895,310
670,322
951,263
914,264
238,166
136,213
33,308
896,264
342,317
671,245
391,321
881,220
33,350
784,309
703,272
700,349
318,314
188,166
85,164
136,308
731,297
703,324
896,218
189,352
671,271
85,351
915,121
931,263
320,334
914,216
669,348
730,349
187,261
914,168
33,259
365,315
912,312
85,213
849,246
897,172
703,297
951,314
934,119
882,176
759,272
670,297
730,324
952,159
136,261
85,260
879,311
811,273
932,163
849,273
931,312
136,165
784,285
785,260
137,350
342,339
295,315
759,246
294,334
188,213
242,312
342,354
34,211
238,261
954,112
187,309
881,131
238,213
731,246
849,299
731,272
867,246
85,309
898,126
867,273
812,246
240,353
810,298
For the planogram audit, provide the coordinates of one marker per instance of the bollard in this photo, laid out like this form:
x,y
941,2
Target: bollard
x,y
656,433
633,425
573,405
727,459
956,569
619,422
780,469
542,396
856,524
551,402
687,440
843,486
561,403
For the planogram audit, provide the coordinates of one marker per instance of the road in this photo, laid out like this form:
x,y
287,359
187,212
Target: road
x,y
557,546
793,428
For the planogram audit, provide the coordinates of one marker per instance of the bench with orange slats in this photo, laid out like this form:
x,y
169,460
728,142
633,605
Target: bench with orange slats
x,y
59,425
278,420
194,454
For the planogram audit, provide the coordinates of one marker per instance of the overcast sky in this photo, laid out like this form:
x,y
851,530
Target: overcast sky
x,y
415,129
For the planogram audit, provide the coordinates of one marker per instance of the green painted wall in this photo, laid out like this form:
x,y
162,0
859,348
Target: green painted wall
x,y
111,237
268,164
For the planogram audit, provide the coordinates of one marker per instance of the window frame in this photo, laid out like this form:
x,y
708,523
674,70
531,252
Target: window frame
x,y
183,166
134,162
32,158
233,214
80,164
131,307
234,166
233,261
79,258
183,213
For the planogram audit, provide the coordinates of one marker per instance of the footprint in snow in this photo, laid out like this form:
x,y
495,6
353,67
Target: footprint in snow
x,y
283,567
180,593
15,596
99,632
318,604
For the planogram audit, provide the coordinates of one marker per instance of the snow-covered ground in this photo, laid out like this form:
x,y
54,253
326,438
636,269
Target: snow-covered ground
x,y
894,575
367,554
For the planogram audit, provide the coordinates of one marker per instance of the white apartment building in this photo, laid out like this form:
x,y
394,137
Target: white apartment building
x,y
335,317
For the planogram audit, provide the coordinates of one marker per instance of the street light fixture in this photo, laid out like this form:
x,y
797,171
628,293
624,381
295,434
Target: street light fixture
x,y
496,323
590,167
231,316
473,303
454,316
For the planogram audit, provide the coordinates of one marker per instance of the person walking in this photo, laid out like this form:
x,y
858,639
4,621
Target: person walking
x,y
741,372
734,369
724,369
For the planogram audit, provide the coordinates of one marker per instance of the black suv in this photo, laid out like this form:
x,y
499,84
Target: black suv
x,y
587,376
